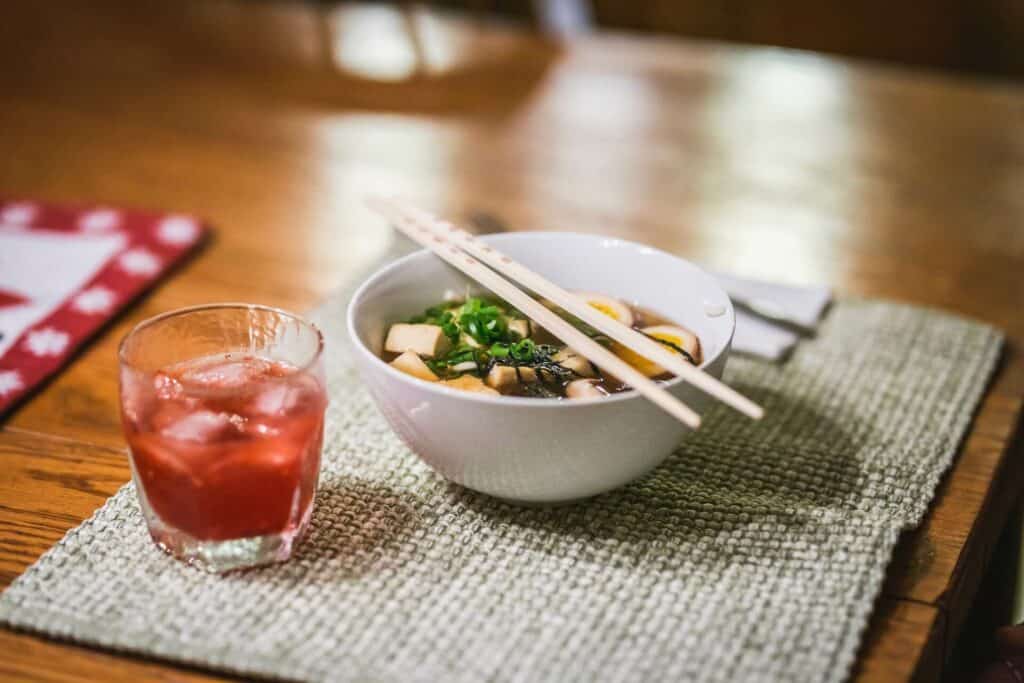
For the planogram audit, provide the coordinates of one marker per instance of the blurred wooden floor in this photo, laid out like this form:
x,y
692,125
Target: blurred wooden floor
x,y
775,164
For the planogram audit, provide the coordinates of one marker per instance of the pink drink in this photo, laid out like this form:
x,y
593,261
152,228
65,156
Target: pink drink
x,y
223,410
228,447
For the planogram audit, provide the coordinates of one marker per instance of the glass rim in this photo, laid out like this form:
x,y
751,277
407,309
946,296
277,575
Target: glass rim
x,y
185,310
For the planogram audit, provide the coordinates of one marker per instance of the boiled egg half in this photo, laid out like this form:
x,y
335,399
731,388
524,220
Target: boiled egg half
x,y
674,336
613,308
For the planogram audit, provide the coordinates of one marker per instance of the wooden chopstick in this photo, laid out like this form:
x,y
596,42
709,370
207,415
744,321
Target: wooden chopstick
x,y
623,334
423,233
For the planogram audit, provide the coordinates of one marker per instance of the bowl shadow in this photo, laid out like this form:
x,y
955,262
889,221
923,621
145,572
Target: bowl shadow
x,y
731,475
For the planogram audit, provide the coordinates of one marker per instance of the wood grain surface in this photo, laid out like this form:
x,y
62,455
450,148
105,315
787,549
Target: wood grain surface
x,y
783,165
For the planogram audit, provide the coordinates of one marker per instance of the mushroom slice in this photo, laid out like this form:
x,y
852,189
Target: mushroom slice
x,y
613,308
584,388
673,335
411,364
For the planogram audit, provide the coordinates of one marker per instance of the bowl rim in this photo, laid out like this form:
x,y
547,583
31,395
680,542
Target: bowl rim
x,y
522,401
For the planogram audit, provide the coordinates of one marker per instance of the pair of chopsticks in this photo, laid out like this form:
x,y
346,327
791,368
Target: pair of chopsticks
x,y
463,251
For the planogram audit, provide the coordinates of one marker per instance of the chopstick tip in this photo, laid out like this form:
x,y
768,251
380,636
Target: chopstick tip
x,y
750,409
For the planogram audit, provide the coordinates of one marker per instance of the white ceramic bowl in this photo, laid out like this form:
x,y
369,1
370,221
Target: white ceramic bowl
x,y
533,450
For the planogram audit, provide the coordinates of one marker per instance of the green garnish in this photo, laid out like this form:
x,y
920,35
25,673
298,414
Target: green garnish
x,y
523,350
483,321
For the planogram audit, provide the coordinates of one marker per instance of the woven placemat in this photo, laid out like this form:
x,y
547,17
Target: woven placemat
x,y
754,553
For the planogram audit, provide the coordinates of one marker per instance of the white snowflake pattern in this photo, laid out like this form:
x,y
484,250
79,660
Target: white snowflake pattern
x,y
177,230
47,341
99,221
96,299
139,261
21,213
10,381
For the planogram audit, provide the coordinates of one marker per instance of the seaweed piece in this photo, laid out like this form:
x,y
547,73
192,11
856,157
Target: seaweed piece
x,y
675,347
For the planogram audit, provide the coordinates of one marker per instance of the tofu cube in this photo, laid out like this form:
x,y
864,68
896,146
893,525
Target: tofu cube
x,y
411,364
504,375
520,328
470,383
425,340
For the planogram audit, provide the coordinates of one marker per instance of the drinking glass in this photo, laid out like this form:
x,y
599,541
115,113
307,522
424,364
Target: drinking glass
x,y
223,410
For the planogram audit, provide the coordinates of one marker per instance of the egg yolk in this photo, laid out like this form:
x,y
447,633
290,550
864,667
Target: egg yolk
x,y
647,367
607,310
671,339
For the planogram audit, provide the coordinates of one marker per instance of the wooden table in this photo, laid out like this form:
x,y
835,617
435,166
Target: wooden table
x,y
883,183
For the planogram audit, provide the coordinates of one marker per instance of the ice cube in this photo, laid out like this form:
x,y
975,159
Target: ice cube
x,y
277,399
256,458
166,387
272,454
257,428
201,426
159,465
225,373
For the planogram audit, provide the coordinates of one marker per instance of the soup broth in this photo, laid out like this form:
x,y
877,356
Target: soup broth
x,y
482,345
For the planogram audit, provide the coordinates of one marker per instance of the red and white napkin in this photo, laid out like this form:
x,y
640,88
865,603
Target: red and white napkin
x,y
65,271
